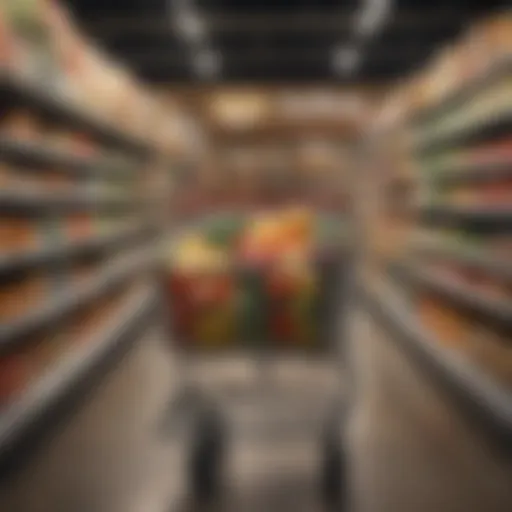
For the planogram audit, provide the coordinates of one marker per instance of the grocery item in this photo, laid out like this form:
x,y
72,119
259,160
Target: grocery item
x,y
18,235
216,326
257,273
194,254
78,227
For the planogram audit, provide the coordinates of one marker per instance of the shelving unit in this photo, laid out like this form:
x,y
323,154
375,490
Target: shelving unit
x,y
453,176
14,265
440,283
49,401
499,268
15,91
492,217
478,130
21,202
123,257
464,94
108,280
495,311
484,403
31,157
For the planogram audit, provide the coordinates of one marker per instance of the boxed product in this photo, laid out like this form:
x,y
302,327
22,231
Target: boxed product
x,y
19,235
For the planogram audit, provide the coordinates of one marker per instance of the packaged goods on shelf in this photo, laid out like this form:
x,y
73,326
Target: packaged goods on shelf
x,y
485,48
474,340
17,235
40,47
456,124
82,326
78,227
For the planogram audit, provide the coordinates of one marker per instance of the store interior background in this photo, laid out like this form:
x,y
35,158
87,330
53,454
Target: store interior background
x,y
348,107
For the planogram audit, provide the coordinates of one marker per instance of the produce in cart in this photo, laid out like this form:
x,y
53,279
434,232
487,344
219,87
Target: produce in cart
x,y
250,280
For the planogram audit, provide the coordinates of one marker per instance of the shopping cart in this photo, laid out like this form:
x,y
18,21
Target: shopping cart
x,y
211,406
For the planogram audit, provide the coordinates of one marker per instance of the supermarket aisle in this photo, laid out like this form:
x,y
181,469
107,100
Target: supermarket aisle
x,y
408,449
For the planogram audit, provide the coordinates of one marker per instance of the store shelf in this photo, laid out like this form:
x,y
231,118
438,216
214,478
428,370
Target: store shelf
x,y
25,423
487,405
488,128
35,156
17,264
114,275
492,218
500,268
21,202
473,174
495,311
15,91
466,93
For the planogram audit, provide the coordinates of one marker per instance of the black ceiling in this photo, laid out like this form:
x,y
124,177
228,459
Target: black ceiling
x,y
275,40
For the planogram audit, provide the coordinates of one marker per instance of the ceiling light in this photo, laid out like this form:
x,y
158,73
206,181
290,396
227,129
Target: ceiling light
x,y
345,60
207,63
372,17
190,26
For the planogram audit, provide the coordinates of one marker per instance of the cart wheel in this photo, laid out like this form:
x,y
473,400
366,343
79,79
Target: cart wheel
x,y
333,469
207,457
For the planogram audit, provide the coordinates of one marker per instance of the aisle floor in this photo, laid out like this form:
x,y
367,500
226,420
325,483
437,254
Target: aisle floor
x,y
408,450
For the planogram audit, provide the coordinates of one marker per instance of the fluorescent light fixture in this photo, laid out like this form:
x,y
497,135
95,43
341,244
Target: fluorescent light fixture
x,y
189,25
372,16
345,60
207,63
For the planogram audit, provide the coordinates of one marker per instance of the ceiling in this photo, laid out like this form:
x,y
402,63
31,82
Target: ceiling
x,y
273,40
